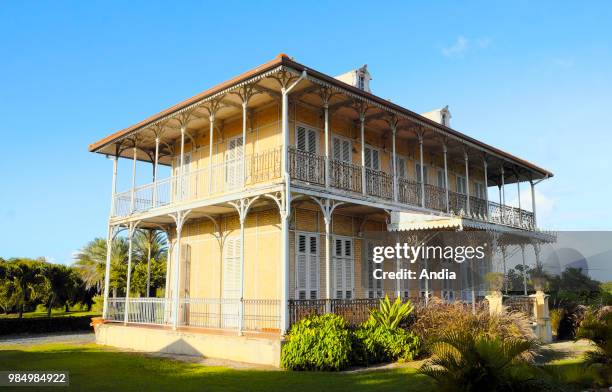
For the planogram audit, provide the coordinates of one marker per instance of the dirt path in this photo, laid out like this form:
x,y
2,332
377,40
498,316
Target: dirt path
x,y
59,337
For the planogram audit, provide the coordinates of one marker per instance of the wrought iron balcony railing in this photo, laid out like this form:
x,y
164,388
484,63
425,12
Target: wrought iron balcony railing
x,y
210,181
310,168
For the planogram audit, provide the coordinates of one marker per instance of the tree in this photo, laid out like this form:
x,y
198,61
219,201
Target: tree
x,y
150,247
28,282
90,262
60,282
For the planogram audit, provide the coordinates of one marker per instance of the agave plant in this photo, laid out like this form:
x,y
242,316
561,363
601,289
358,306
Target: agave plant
x,y
464,362
391,314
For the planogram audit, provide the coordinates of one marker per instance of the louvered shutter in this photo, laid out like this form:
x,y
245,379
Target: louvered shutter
x,y
401,167
338,268
441,179
313,268
232,268
375,160
300,268
312,141
301,138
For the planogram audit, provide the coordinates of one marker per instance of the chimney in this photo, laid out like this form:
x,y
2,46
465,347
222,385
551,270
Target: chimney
x,y
359,78
441,116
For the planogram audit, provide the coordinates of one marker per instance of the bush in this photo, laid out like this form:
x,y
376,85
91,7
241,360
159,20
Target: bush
x,y
374,343
44,324
98,303
468,361
391,315
438,318
317,343
597,327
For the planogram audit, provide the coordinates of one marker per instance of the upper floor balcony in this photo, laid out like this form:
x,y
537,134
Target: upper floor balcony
x,y
308,169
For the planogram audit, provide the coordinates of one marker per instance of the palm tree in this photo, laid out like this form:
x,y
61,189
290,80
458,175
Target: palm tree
x,y
149,244
27,280
464,362
90,261
60,285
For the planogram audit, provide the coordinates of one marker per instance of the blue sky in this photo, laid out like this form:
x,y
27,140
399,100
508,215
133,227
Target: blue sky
x,y
532,78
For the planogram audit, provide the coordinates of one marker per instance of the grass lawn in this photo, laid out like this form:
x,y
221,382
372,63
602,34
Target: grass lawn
x,y
54,313
95,368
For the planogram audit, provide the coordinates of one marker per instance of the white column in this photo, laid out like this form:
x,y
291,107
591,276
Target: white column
x,y
133,195
486,188
533,203
445,151
149,263
244,136
109,241
176,272
502,195
326,114
114,186
109,249
155,167
524,272
422,171
182,161
503,254
394,160
211,119
328,280
467,184
285,132
518,190
129,272
363,168
284,317
242,254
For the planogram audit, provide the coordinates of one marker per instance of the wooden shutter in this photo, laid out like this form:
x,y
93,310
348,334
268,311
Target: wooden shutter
x,y
306,139
401,167
341,149
232,279
307,266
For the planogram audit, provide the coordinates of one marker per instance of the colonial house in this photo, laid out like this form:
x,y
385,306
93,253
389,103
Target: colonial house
x,y
276,177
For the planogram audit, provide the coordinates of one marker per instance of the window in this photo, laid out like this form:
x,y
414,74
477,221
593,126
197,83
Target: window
x,y
374,286
342,149
234,169
306,266
232,280
343,267
441,179
184,192
360,82
306,139
418,173
480,190
372,158
401,167
461,186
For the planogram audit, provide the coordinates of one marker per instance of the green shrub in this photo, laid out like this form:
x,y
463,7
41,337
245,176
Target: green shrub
x,y
374,343
391,314
465,361
317,343
98,303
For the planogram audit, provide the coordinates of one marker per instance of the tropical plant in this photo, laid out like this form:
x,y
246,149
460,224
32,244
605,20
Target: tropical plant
x,y
438,318
375,343
391,314
597,327
27,283
495,280
61,286
317,343
90,261
464,361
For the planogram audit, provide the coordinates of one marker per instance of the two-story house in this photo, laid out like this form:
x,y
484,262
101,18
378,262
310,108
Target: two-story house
x,y
275,177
